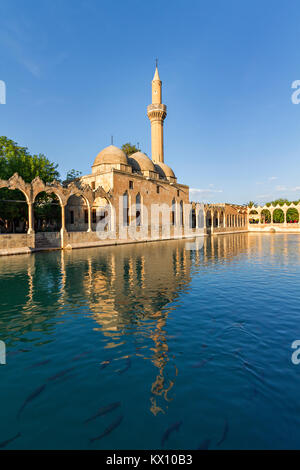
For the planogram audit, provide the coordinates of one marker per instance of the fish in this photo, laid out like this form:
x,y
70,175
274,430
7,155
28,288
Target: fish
x,y
37,364
79,356
203,362
204,444
8,441
31,397
225,432
62,373
105,364
18,351
254,370
128,364
103,410
168,432
109,429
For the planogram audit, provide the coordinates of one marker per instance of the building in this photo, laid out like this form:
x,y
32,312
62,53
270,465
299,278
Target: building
x,y
131,180
125,199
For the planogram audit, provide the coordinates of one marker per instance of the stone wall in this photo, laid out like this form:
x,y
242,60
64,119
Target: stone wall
x,y
15,243
47,240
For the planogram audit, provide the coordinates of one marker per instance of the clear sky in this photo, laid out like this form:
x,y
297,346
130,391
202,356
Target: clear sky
x,y
78,71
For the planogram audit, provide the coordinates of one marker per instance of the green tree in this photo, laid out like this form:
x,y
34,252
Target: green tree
x,y
292,215
16,159
280,202
72,175
266,215
47,212
278,216
129,148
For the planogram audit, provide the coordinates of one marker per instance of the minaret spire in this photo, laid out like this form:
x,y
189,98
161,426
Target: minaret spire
x,y
157,113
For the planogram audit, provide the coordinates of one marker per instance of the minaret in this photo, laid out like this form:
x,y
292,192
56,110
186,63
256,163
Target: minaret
x,y
157,113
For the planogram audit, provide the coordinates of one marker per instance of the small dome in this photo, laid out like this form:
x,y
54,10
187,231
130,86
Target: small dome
x,y
111,155
140,162
164,170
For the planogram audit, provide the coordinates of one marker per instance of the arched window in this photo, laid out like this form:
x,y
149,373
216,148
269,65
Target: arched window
x,y
193,218
181,213
173,220
125,209
138,210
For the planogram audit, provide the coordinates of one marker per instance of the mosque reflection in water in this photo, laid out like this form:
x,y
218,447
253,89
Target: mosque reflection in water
x,y
129,291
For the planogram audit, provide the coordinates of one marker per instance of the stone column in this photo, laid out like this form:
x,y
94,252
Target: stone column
x,y
89,219
284,217
63,218
30,218
63,230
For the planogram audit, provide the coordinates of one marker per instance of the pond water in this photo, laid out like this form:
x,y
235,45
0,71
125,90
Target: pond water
x,y
152,346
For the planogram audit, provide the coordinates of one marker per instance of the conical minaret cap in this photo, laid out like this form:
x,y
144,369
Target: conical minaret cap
x,y
156,76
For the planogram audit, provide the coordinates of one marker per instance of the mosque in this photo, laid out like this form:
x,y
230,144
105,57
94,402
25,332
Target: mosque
x,y
120,193
135,179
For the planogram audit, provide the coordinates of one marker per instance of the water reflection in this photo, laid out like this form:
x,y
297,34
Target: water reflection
x,y
130,292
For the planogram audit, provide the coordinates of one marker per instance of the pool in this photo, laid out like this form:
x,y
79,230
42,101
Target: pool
x,y
153,346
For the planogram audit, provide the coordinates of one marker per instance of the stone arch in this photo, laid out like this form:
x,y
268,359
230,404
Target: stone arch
x,y
192,217
16,182
38,186
278,216
221,219
265,216
13,210
215,218
200,216
102,211
47,212
209,218
255,216
77,212
292,215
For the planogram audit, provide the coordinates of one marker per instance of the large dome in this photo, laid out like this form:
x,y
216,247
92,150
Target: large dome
x,y
164,170
111,155
140,162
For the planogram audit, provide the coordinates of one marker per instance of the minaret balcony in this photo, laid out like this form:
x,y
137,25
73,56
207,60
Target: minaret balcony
x,y
157,111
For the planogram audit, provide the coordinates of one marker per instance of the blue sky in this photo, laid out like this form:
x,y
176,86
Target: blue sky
x,y
79,71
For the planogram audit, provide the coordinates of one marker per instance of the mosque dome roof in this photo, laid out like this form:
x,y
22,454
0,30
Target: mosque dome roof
x,y
111,155
140,162
164,170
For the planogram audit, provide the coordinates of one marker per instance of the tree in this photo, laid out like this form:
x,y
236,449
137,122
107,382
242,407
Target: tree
x,y
278,216
129,149
292,215
266,215
16,159
72,175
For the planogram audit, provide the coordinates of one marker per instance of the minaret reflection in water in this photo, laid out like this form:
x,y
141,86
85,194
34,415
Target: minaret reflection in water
x,y
131,293
133,296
